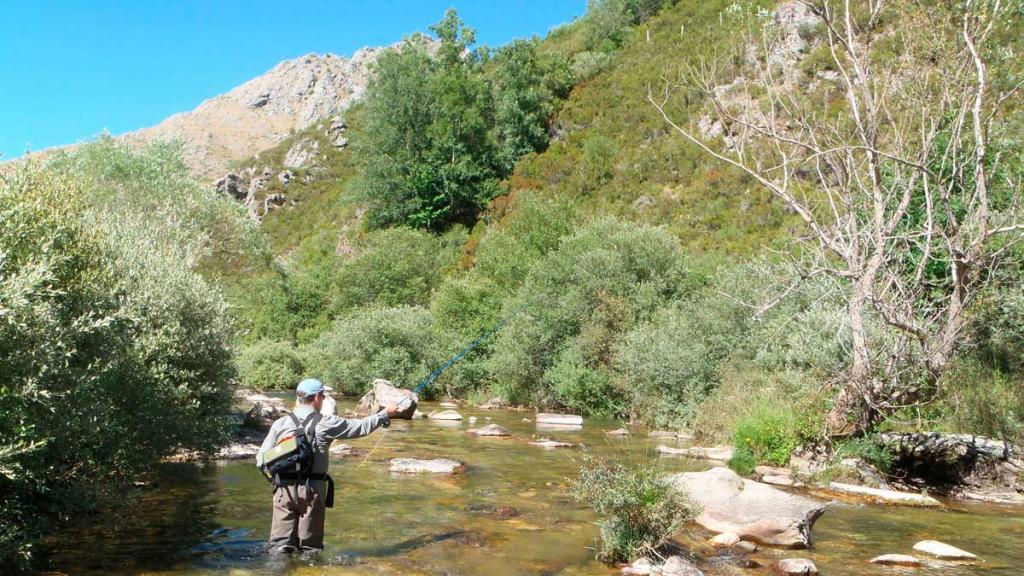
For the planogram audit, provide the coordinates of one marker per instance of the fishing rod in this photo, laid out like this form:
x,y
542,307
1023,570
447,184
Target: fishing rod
x,y
404,402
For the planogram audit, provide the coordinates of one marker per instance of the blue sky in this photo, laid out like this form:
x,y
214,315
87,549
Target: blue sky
x,y
70,70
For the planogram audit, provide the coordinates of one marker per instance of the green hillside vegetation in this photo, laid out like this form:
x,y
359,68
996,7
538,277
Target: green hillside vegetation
x,y
635,258
534,183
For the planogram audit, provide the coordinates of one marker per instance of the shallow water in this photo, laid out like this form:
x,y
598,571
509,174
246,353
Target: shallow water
x,y
214,518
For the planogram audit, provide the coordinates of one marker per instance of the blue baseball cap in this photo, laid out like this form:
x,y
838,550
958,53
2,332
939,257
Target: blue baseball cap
x,y
309,387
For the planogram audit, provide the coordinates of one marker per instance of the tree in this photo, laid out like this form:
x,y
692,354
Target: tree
x,y
427,154
902,184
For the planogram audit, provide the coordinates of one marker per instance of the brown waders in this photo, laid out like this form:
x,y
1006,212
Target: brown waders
x,y
298,519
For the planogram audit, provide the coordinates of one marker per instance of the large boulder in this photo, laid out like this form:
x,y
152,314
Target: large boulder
x,y
751,510
262,415
560,419
381,394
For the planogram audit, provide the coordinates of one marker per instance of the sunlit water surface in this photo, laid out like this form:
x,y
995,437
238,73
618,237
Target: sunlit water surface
x,y
508,514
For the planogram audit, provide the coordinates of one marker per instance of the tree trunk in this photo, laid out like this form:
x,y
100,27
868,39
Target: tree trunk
x,y
852,411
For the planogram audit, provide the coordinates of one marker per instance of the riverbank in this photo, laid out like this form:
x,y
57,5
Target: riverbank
x,y
506,514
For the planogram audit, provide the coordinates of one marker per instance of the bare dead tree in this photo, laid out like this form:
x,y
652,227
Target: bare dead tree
x,y
888,163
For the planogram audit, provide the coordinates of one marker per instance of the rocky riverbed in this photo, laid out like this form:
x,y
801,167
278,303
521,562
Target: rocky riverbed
x,y
506,513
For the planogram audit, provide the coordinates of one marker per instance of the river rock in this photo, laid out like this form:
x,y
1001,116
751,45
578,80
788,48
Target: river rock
x,y
490,430
640,567
795,566
744,547
238,451
549,443
448,404
564,419
618,432
719,453
679,566
753,511
885,496
778,480
943,551
262,416
472,419
436,466
725,540
445,415
381,394
896,560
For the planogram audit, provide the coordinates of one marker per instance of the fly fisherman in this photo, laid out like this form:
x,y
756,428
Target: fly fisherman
x,y
295,456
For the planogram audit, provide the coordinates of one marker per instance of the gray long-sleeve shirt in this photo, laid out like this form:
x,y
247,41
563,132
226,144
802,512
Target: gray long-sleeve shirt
x,y
328,429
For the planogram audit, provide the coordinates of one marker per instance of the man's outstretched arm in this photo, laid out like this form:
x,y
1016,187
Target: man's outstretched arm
x,y
335,427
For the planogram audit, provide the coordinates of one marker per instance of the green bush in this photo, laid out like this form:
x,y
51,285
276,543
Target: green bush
x,y
397,344
268,364
671,363
641,510
582,296
394,267
870,449
115,351
767,436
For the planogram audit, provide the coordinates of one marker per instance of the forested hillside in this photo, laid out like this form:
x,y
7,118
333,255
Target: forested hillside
x,y
651,196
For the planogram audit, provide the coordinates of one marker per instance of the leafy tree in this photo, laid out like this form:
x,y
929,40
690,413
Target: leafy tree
x,y
427,155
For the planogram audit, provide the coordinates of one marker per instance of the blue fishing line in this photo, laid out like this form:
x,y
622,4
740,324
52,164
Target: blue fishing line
x,y
436,373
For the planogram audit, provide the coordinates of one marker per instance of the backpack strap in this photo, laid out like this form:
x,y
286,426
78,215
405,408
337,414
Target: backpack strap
x,y
309,424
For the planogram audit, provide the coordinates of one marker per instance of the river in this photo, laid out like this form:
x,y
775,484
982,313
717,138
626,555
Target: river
x,y
508,514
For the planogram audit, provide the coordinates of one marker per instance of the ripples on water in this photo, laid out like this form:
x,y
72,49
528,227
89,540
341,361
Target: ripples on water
x,y
507,515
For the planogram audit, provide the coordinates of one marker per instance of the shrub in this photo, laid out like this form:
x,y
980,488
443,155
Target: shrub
x,y
268,364
869,448
767,436
394,267
508,251
115,350
641,508
397,344
598,283
671,363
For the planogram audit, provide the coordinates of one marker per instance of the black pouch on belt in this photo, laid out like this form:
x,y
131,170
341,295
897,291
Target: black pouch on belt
x,y
329,502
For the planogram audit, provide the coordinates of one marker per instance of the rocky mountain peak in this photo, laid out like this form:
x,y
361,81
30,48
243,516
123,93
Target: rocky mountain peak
x,y
261,112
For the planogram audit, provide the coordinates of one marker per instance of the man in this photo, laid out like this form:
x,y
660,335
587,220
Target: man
x,y
300,502
330,407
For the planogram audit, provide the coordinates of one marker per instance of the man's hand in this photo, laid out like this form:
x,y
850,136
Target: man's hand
x,y
392,410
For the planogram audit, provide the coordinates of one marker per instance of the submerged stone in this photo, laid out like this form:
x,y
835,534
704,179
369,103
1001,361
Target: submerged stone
x,y
896,560
943,551
796,567
435,466
489,430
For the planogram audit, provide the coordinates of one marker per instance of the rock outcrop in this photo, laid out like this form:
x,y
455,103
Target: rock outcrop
x,y
958,464
882,496
381,394
751,510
